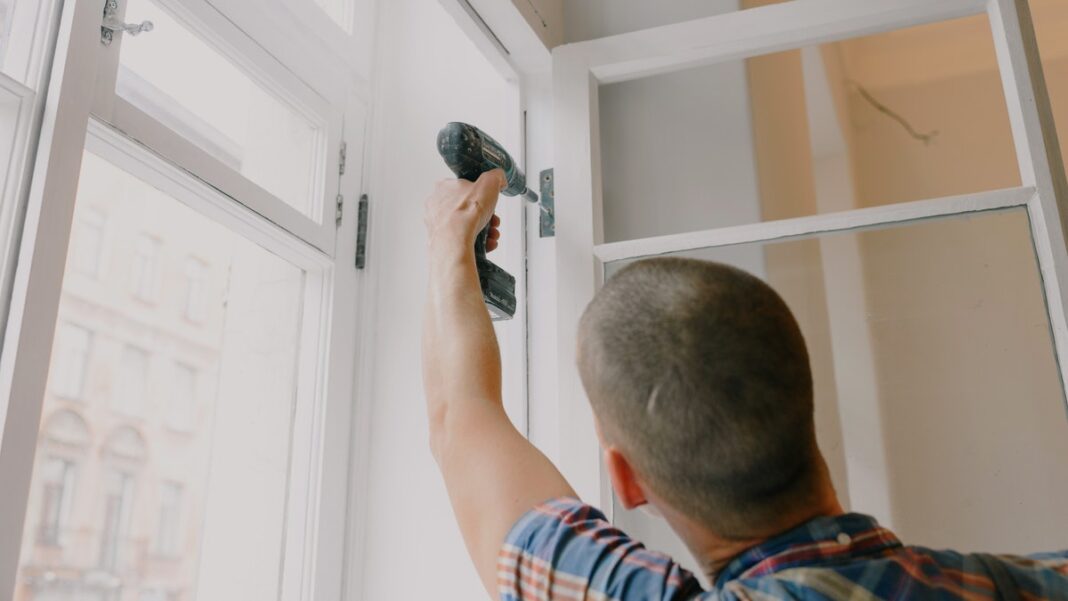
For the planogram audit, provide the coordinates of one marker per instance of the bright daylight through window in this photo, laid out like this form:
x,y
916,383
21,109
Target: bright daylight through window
x,y
164,444
192,88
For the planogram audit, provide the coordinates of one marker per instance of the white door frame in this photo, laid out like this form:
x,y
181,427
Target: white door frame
x,y
579,69
75,106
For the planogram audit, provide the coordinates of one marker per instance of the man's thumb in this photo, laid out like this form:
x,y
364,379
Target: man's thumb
x,y
493,179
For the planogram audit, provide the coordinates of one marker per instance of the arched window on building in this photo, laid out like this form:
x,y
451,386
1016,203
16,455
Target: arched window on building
x,y
65,436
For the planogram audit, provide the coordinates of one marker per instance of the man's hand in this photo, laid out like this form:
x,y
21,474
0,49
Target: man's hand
x,y
493,474
458,210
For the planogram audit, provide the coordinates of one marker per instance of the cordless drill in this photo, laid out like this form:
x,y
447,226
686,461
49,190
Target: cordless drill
x,y
469,153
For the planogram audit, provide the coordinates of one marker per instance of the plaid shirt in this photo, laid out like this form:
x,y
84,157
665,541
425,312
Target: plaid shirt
x,y
566,550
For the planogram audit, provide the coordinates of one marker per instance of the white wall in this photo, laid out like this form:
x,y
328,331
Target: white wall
x,y
588,19
429,73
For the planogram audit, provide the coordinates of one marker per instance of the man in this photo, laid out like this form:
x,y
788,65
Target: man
x,y
699,380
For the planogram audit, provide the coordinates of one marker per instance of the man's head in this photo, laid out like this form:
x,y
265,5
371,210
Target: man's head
x,y
699,377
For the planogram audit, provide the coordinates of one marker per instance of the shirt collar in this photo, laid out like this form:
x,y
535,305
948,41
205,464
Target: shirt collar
x,y
818,541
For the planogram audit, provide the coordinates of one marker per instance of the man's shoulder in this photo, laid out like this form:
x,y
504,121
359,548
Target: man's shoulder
x,y
909,572
564,548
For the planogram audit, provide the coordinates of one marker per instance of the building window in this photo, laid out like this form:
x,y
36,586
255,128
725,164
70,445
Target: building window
x,y
131,390
118,505
196,280
145,276
57,490
181,412
73,344
168,535
88,249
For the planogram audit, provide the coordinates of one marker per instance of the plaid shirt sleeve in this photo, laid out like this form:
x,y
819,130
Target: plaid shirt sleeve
x,y
564,549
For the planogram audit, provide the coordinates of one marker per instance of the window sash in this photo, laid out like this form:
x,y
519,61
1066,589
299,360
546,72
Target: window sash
x,y
315,528
325,106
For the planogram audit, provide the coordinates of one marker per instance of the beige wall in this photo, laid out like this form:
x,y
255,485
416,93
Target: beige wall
x,y
938,401
972,408
788,189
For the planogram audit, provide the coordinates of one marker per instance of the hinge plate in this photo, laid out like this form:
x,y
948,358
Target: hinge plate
x,y
339,209
111,9
361,233
548,204
343,158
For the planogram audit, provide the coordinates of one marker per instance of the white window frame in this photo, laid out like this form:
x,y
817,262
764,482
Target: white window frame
x,y
24,80
579,69
80,116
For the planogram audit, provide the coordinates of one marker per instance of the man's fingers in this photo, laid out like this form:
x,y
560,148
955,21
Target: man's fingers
x,y
491,245
494,179
494,234
495,221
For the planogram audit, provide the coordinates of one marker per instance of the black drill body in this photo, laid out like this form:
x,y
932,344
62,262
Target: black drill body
x,y
469,153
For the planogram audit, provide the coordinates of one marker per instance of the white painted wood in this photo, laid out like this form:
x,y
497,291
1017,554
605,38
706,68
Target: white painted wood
x,y
472,22
141,127
26,106
311,398
27,348
316,508
1039,154
816,224
578,229
308,41
757,31
342,420
27,51
322,105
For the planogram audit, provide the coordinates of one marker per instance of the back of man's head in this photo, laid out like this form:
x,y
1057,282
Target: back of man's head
x,y
698,373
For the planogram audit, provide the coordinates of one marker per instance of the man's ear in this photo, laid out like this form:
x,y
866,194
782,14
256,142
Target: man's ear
x,y
624,480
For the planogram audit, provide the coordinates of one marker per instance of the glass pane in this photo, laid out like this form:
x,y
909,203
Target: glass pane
x,y
901,116
24,28
189,86
935,378
164,446
1051,21
341,11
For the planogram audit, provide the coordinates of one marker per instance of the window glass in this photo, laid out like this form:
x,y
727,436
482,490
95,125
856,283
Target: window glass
x,y
69,367
168,535
894,117
57,489
183,398
88,242
131,381
196,273
144,274
159,511
935,377
23,38
221,109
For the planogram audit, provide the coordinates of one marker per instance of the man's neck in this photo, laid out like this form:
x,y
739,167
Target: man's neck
x,y
714,552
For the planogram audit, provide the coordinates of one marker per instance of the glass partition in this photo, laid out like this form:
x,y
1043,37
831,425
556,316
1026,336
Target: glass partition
x,y
935,377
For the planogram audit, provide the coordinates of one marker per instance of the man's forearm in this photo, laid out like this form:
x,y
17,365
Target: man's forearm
x,y
461,359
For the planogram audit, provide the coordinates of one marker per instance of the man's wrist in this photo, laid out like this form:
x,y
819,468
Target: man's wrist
x,y
449,245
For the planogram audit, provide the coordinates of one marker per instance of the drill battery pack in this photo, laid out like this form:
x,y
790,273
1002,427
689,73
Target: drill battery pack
x,y
498,290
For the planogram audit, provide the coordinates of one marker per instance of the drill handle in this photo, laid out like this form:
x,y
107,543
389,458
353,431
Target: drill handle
x,y
480,243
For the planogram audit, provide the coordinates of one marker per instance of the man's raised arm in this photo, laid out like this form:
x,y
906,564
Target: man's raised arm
x,y
492,473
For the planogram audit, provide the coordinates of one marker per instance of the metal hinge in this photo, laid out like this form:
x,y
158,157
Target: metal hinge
x,y
548,202
339,209
361,234
343,158
112,24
